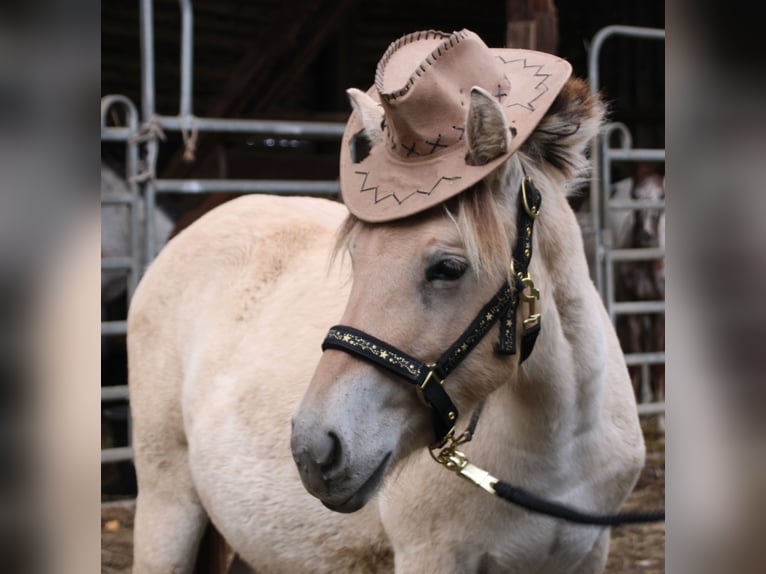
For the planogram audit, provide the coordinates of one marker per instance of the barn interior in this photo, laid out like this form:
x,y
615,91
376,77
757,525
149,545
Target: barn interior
x,y
292,61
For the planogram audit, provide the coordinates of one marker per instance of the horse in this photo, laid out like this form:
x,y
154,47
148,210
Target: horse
x,y
642,280
312,461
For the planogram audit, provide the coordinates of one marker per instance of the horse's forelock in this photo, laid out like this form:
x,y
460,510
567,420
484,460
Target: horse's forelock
x,y
484,216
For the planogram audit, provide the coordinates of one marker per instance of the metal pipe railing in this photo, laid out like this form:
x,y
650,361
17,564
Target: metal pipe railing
x,y
246,186
133,201
116,263
657,155
636,254
646,409
635,204
187,51
609,32
112,134
114,393
116,200
657,358
636,307
118,454
147,59
291,129
114,328
147,114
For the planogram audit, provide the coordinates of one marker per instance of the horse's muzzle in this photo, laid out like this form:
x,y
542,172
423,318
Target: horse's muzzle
x,y
325,469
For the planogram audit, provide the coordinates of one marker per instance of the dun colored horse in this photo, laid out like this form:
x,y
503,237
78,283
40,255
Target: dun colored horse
x,y
230,388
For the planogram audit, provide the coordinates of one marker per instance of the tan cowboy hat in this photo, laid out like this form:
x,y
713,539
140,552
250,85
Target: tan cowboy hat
x,y
415,119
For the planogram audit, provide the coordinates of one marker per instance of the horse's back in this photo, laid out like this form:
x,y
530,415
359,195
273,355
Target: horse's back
x,y
235,309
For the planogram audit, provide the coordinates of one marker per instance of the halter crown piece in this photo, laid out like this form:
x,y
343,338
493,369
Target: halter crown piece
x,y
423,85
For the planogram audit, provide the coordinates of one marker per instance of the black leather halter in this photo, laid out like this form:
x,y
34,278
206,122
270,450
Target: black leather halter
x,y
429,378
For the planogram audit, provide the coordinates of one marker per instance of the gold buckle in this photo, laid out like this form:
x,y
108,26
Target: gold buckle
x,y
531,210
452,459
534,295
431,375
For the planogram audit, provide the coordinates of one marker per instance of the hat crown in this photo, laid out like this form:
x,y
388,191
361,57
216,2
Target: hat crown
x,y
417,155
423,81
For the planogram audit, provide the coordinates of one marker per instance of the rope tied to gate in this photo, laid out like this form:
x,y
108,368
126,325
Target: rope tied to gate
x,y
189,137
150,130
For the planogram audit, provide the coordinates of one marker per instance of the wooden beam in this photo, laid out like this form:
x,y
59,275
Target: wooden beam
x,y
532,25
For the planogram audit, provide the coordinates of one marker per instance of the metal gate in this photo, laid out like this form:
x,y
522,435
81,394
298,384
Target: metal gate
x,y
142,139
607,255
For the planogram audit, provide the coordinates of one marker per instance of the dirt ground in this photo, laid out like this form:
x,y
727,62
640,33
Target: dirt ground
x,y
636,549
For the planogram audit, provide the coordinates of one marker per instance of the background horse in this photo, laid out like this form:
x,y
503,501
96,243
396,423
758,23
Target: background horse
x,y
224,336
642,280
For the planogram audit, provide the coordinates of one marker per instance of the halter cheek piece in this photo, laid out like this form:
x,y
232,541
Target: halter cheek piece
x,y
429,378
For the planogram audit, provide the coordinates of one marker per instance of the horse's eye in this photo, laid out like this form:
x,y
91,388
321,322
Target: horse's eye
x,y
448,269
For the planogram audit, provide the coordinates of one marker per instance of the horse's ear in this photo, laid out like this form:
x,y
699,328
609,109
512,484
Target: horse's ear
x,y
559,140
369,112
487,133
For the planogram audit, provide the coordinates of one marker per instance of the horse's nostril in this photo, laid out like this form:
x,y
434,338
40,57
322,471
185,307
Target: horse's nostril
x,y
332,455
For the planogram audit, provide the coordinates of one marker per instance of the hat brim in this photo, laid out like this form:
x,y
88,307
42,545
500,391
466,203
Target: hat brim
x,y
384,186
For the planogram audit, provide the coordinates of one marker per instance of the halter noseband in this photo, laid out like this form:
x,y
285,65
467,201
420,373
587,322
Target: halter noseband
x,y
429,377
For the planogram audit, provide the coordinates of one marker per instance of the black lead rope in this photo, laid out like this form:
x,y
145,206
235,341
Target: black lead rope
x,y
525,499
454,460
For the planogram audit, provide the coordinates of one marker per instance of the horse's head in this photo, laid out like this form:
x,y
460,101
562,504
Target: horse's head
x,y
418,282
648,185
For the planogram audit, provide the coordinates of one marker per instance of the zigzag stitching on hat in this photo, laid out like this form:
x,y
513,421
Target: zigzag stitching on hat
x,y
449,42
362,188
421,192
373,188
438,181
531,105
364,181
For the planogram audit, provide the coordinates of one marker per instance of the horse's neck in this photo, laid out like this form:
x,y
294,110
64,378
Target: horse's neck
x,y
557,390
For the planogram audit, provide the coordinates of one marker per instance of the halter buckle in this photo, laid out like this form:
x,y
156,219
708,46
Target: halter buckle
x,y
431,376
532,210
530,298
452,459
